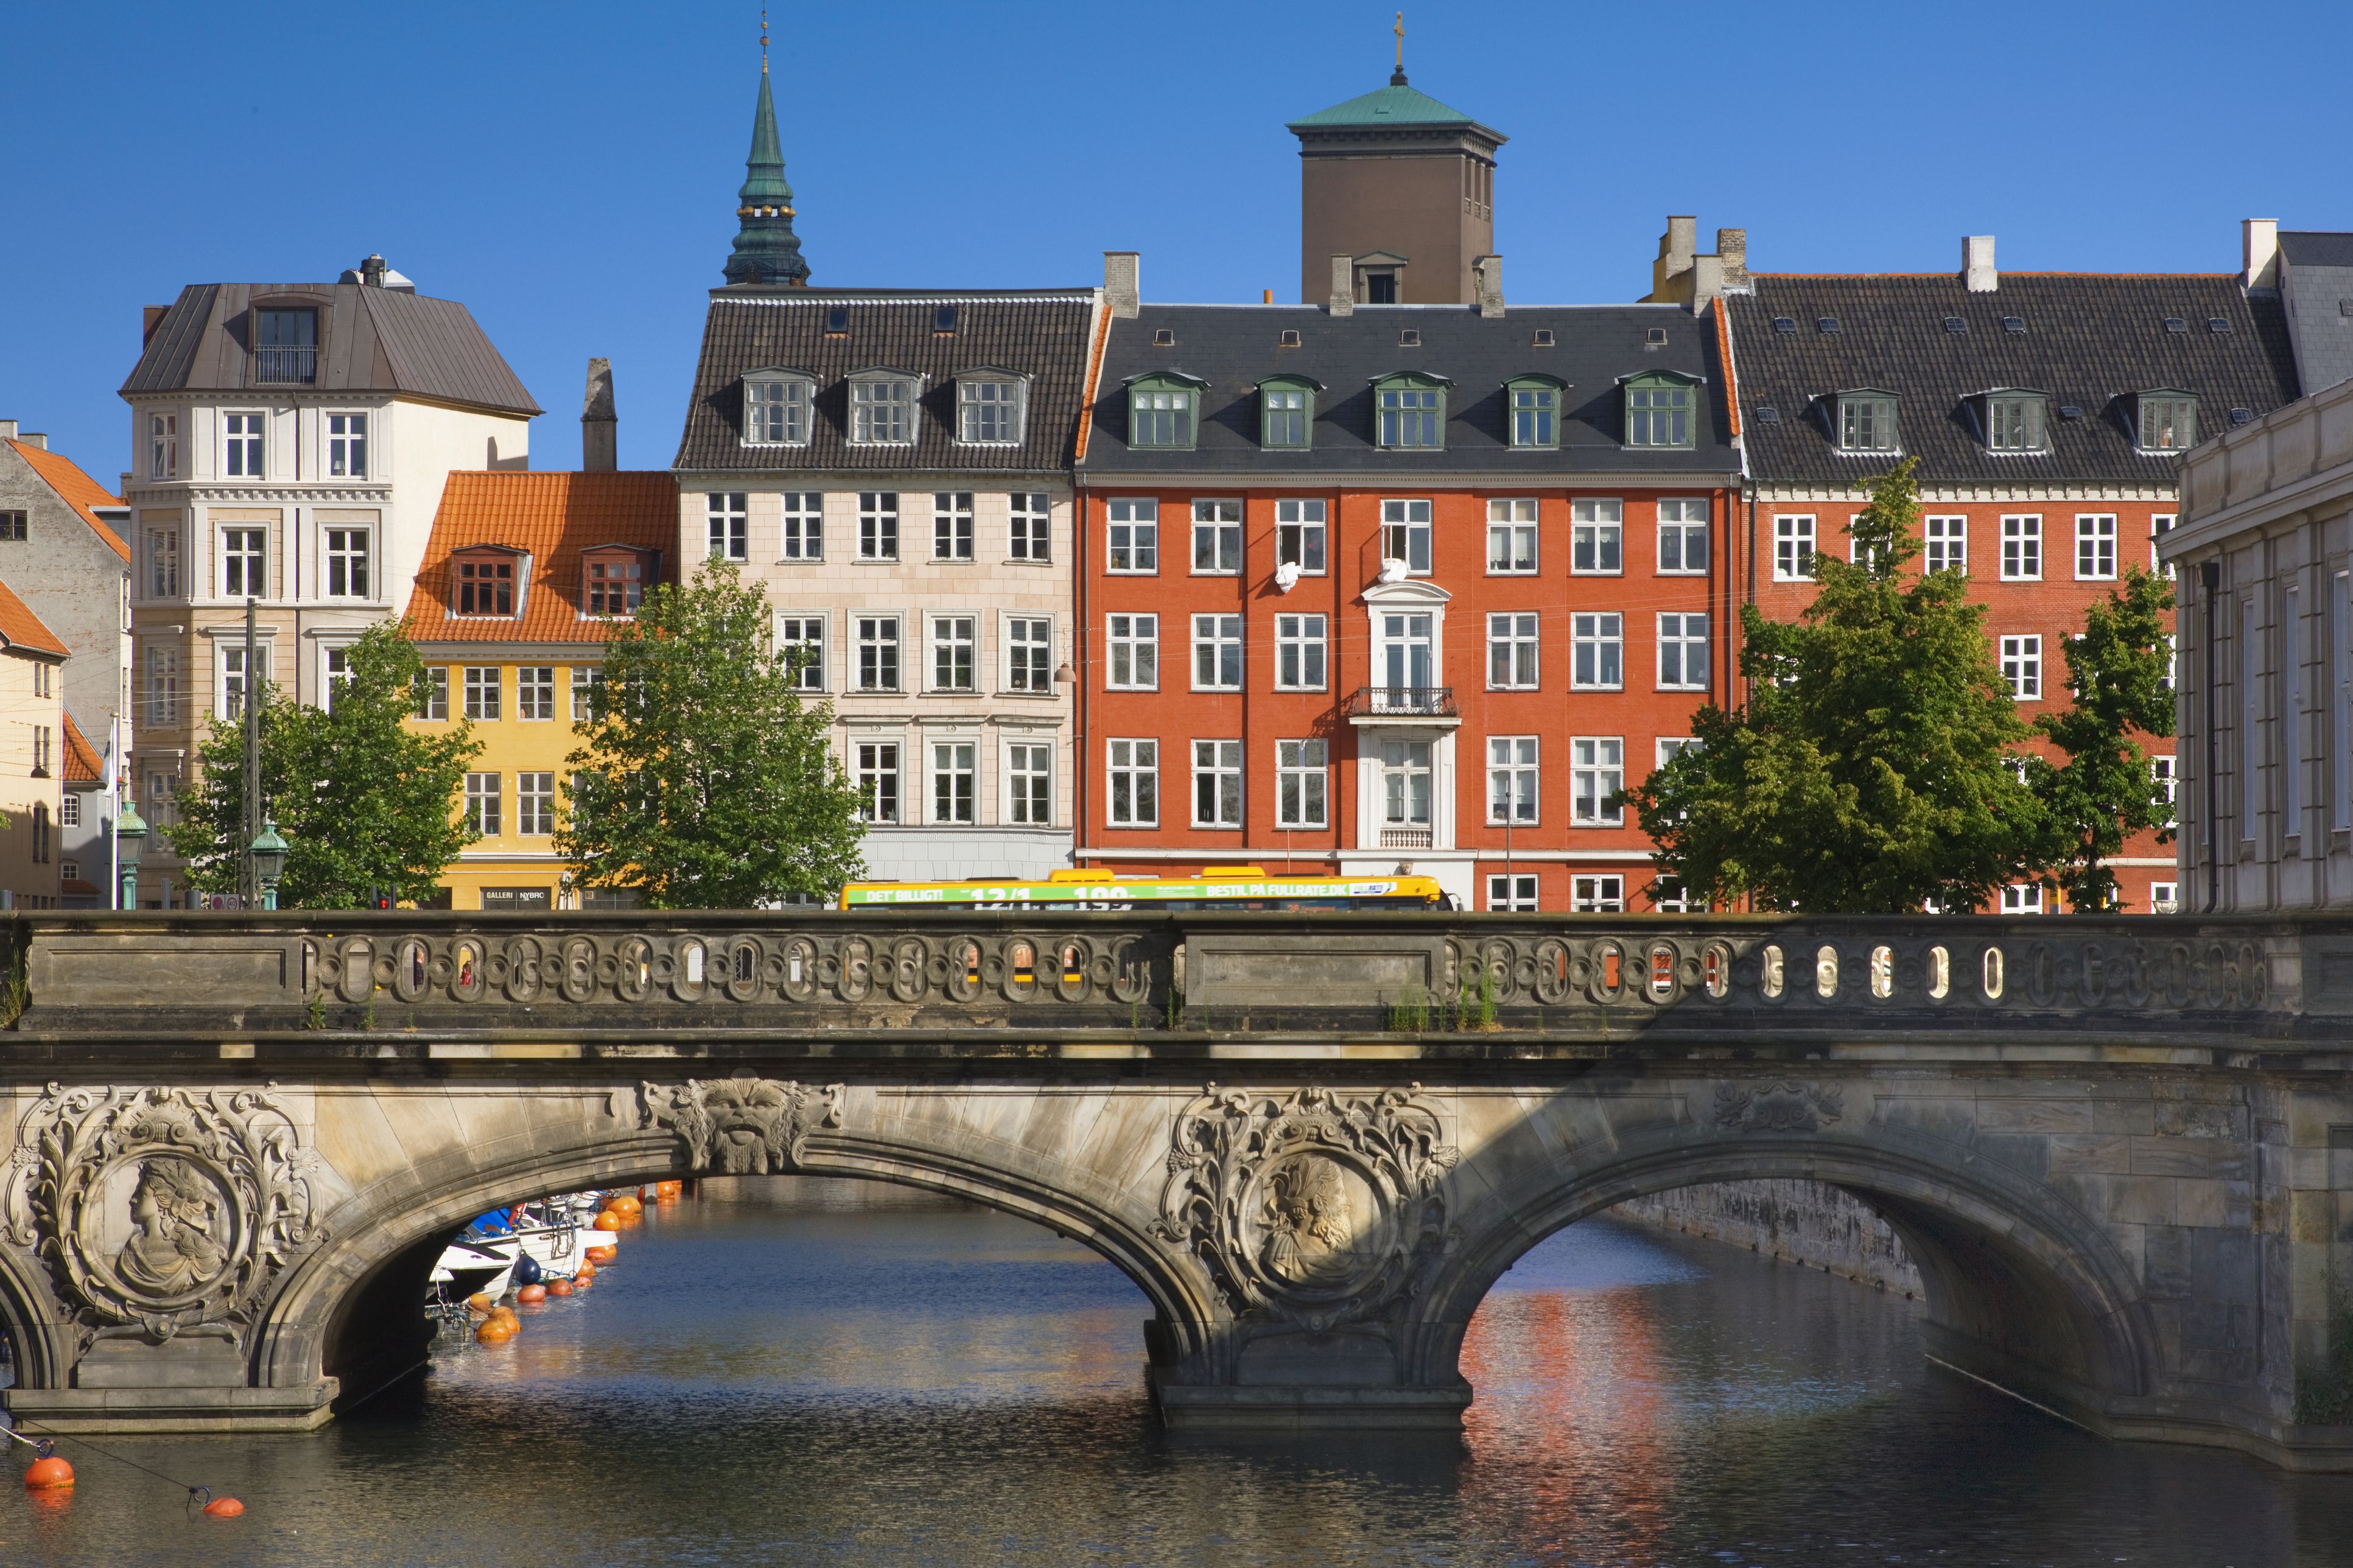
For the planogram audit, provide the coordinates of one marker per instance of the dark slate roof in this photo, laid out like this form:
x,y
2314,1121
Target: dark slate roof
x,y
2090,341
1043,333
1235,347
370,340
2317,247
2317,289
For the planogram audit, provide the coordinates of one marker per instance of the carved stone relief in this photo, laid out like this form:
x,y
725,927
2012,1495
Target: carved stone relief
x,y
161,1211
1782,1105
742,1126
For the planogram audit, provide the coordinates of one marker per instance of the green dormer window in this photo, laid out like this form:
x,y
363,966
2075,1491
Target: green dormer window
x,y
1659,409
1287,411
1163,411
1410,411
1536,410
1866,421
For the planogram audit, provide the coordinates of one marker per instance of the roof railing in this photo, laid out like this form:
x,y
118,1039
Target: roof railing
x,y
286,364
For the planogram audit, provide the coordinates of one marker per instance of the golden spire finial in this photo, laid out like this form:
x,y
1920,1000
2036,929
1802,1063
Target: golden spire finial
x,y
764,38
1401,39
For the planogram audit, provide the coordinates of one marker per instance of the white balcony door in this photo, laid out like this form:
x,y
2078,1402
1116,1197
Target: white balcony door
x,y
1407,644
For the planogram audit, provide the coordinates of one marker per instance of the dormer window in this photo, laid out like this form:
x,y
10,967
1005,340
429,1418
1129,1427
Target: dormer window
x,y
1866,421
1287,411
613,581
2014,421
776,408
2169,421
882,408
1659,409
1162,411
1409,410
1535,402
990,409
285,347
487,582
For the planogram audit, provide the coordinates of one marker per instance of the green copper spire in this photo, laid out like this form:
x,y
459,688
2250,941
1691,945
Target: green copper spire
x,y
766,249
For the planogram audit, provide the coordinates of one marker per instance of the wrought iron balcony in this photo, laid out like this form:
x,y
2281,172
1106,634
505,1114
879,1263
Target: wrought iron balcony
x,y
286,364
1403,701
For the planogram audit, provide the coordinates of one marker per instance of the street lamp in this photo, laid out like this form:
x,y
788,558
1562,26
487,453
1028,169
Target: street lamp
x,y
269,862
129,843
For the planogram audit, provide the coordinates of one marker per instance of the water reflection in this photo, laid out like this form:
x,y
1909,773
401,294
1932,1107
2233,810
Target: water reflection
x,y
825,1372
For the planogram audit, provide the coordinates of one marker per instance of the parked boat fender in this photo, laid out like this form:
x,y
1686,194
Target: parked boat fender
x,y
51,1474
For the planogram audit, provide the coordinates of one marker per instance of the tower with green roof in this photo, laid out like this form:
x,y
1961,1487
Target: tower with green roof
x,y
766,248
1401,186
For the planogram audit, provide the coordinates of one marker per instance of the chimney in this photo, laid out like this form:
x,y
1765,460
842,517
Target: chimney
x,y
7,429
1124,282
1977,264
1708,281
600,423
2259,247
1487,281
1344,285
152,317
372,272
125,491
34,439
1732,245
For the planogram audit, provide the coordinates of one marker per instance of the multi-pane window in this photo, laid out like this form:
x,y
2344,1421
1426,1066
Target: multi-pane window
x,y
1512,651
483,692
1598,641
242,433
878,653
2168,424
1405,534
731,534
1596,895
482,805
245,554
1135,653
952,525
2159,525
347,562
347,445
1536,416
1682,536
2022,899
800,642
432,691
2160,770
1948,544
286,346
1597,536
164,561
1511,535
2022,549
1217,653
586,680
1682,651
1134,535
1512,779
877,525
1134,775
163,799
955,784
1029,783
163,446
1597,775
1030,528
2014,423
486,587
1216,784
535,805
536,691
989,410
2096,547
776,410
1216,538
874,772
883,411
1669,895
1407,767
1284,414
804,525
1029,654
953,649
1299,781
1299,535
2021,666
1299,653
1160,416
1866,424
69,815
1412,416
614,584
1511,892
1658,414
1793,549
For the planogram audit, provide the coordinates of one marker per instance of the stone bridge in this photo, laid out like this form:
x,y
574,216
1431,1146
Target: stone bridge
x,y
2120,1150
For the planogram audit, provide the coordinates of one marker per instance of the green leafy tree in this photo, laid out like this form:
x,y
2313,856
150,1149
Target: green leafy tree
x,y
1872,767
2105,791
703,781
362,801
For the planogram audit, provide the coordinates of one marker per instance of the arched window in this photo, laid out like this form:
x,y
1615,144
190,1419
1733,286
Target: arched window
x,y
776,408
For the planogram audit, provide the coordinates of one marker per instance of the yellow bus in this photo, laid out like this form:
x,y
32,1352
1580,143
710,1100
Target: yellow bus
x,y
1217,888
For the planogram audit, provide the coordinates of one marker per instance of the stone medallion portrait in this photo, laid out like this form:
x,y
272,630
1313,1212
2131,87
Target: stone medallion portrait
x,y
1320,1222
177,1237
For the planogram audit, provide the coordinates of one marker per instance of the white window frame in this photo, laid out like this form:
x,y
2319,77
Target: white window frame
x,y
728,514
163,444
1132,536
1303,784
1685,634
1005,403
221,534
2022,547
2021,666
485,687
1514,634
535,805
2096,547
952,641
953,527
1597,537
877,525
808,629
953,798
1513,781
232,685
1512,536
1029,654
1684,521
2160,523
485,804
883,635
1218,764
1301,652
1030,527
347,444
1511,892
337,556
1947,540
1596,640
586,679
878,772
1300,536
776,408
2161,772
535,688
1136,762
1218,643
802,525
1133,642
2022,899
433,703
1598,893
1029,783
245,444
2165,898
1406,534
164,561
1216,538
1596,772
879,403
1794,547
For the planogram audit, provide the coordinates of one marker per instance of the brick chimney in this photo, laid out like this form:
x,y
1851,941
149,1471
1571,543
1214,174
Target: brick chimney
x,y
1732,248
1977,264
600,422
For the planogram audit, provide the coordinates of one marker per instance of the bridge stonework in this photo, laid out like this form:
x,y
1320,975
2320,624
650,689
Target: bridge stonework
x,y
2120,1152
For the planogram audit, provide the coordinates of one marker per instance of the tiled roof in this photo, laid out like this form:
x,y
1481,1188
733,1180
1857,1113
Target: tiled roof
x,y
2315,279
20,628
370,340
551,516
82,764
1235,347
1396,104
2091,342
1040,334
77,490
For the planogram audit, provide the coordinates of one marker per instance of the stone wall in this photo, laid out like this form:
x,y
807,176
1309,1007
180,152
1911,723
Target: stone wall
x,y
1807,1223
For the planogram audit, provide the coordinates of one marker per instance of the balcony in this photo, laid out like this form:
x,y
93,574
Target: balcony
x,y
1391,704
286,364
1405,835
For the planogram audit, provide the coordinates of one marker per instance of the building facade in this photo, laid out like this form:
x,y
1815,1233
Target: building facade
x,y
290,444
62,551
32,758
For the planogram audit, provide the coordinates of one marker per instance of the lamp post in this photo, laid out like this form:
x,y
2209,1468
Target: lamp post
x,y
129,843
268,853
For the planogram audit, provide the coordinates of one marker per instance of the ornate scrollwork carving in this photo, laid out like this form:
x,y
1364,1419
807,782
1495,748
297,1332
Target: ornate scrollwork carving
x,y
1782,1105
1317,1206
742,1126
161,1211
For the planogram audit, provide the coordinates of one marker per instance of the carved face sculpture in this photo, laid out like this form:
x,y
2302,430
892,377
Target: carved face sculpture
x,y
1308,1222
172,1252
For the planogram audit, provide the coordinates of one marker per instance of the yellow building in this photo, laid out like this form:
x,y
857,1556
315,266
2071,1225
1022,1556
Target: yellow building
x,y
32,730
522,578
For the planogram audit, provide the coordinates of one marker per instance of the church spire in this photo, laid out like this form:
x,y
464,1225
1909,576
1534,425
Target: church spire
x,y
766,249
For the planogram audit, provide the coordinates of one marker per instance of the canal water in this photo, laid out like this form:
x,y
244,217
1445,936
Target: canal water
x,y
806,1372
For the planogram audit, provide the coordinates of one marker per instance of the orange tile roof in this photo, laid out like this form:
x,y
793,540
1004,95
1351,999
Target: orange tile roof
x,y
81,764
552,517
77,490
20,628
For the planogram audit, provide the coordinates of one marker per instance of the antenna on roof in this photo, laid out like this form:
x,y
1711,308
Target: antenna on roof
x,y
1397,77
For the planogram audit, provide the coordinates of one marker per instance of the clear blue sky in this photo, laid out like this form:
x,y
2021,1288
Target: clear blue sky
x,y
569,172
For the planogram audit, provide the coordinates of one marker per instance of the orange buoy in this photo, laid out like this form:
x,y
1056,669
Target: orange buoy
x,y
49,1474
579,1284
670,1192
602,1256
625,1205
607,1220
559,1288
224,1508
532,1295
496,1332
586,1271
479,1301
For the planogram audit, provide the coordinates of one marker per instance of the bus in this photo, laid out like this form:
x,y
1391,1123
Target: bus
x,y
1217,888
